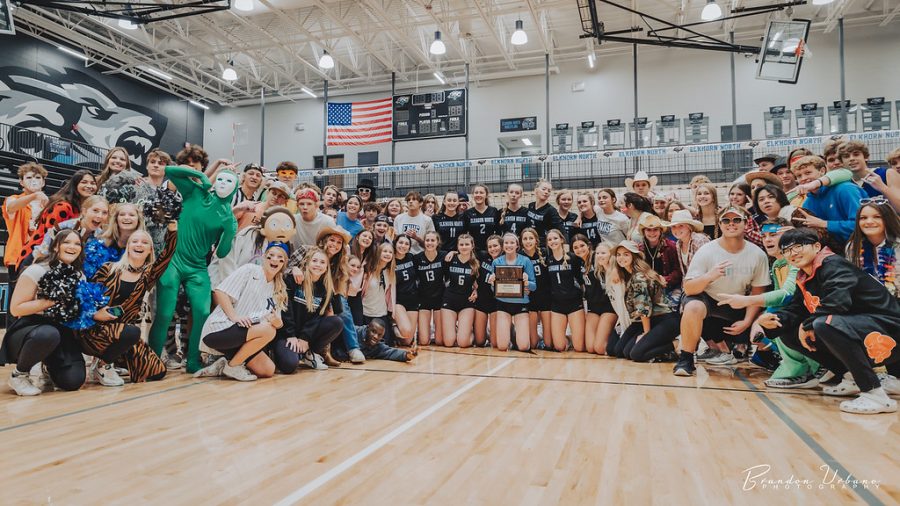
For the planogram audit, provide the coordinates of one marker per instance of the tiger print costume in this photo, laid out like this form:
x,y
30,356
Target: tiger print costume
x,y
140,360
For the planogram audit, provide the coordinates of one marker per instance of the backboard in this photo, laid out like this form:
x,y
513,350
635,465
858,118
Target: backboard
x,y
782,50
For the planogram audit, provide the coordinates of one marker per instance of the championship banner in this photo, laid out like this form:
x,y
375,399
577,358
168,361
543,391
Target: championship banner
x,y
764,145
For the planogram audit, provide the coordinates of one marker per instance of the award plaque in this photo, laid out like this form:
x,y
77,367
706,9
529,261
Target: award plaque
x,y
508,281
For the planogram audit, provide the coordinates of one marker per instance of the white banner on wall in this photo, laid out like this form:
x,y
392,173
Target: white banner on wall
x,y
611,154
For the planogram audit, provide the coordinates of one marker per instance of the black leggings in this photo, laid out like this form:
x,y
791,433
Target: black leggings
x,y
129,337
228,341
57,349
837,352
663,330
287,360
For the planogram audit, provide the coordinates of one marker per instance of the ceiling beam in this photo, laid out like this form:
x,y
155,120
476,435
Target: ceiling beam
x,y
542,30
398,35
385,61
491,24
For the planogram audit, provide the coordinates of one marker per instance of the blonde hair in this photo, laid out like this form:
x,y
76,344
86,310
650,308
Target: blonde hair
x,y
506,207
562,246
279,288
105,174
111,236
122,264
537,244
308,283
713,193
599,268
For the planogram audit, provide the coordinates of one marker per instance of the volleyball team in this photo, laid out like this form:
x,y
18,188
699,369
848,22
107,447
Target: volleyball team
x,y
794,272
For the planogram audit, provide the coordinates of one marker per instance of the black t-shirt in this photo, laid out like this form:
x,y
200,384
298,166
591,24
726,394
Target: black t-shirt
x,y
590,228
431,276
594,292
449,228
565,276
405,272
567,225
485,269
543,220
540,273
514,221
298,315
458,276
482,225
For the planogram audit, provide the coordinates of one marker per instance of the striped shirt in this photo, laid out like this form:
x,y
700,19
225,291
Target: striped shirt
x,y
250,293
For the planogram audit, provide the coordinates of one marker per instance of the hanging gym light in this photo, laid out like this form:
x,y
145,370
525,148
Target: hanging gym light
x,y
711,11
127,24
822,2
229,74
437,47
519,37
326,61
243,5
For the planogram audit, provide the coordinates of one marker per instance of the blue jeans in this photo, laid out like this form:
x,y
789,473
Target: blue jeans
x,y
350,340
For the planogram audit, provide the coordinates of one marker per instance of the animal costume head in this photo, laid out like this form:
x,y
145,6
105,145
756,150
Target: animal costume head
x,y
278,225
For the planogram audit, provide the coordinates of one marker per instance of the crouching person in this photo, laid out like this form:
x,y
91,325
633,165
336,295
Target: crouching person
x,y
841,317
372,347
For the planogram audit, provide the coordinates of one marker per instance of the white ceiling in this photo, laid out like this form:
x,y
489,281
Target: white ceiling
x,y
276,46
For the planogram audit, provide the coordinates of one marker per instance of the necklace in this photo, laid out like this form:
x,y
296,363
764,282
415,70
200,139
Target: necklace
x,y
135,270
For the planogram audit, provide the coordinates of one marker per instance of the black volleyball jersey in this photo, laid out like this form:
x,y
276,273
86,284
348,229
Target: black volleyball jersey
x,y
565,276
485,270
459,277
482,225
594,291
567,225
514,221
540,272
543,220
406,275
590,228
449,228
431,276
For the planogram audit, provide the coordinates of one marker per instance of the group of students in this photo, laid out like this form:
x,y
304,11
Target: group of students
x,y
795,272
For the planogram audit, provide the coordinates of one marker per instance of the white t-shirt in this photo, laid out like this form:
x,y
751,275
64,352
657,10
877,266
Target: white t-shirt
x,y
612,227
251,295
420,223
35,272
749,268
308,230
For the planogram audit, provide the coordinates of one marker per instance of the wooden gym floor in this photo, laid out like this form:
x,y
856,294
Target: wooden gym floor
x,y
455,427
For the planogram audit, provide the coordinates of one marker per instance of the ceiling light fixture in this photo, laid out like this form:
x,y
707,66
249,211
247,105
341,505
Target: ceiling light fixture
x,y
127,24
243,5
437,47
711,11
519,37
76,54
229,74
526,141
591,59
326,61
309,92
198,104
822,2
157,73
440,77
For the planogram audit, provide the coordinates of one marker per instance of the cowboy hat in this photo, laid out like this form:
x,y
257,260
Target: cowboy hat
x,y
630,246
335,230
684,217
640,176
766,158
769,177
651,221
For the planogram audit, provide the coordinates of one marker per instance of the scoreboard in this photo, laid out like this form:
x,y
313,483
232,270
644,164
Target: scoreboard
x,y
428,115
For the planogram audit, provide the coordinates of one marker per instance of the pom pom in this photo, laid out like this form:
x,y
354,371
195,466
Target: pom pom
x,y
59,284
162,206
96,254
90,297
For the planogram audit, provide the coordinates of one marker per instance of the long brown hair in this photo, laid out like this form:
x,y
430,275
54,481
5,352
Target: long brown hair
x,y
473,260
537,244
638,264
106,173
68,193
308,283
53,259
891,230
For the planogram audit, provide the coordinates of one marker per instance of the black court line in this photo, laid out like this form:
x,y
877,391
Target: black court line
x,y
810,442
100,406
582,381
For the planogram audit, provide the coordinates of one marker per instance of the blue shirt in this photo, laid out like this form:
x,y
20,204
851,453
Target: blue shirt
x,y
869,189
837,205
528,268
352,226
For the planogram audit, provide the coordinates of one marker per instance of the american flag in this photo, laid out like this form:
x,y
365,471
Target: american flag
x,y
359,123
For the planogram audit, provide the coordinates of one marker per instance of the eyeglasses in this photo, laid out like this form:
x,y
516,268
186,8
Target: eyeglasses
x,y
363,190
728,221
874,200
793,249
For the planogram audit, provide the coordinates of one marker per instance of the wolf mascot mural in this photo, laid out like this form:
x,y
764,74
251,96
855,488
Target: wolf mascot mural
x,y
71,104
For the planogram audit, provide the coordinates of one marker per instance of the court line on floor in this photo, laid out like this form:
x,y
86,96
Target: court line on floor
x,y
99,406
810,442
583,381
339,469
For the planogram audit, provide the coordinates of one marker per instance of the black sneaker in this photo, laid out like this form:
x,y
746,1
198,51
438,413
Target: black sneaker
x,y
685,365
667,357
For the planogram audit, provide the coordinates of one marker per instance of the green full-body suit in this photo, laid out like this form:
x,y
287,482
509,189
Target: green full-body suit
x,y
206,219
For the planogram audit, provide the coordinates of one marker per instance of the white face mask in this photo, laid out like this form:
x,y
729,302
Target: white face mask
x,y
225,184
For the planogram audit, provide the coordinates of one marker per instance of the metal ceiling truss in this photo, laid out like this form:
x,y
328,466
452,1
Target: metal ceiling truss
x,y
140,12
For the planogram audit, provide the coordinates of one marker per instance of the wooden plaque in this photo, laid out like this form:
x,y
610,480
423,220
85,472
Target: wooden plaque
x,y
508,281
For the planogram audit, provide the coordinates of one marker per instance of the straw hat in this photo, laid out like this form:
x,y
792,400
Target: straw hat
x,y
763,174
651,221
684,217
335,230
640,176
630,246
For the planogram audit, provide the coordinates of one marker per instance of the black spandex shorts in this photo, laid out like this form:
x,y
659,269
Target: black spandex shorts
x,y
486,302
539,301
409,302
566,306
600,305
456,302
430,304
512,308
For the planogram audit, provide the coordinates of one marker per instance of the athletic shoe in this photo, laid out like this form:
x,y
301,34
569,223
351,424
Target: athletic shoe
x,y
890,384
710,353
667,357
238,372
846,387
870,403
314,361
357,357
173,362
44,382
825,376
767,359
804,381
21,383
212,370
685,365
722,359
106,375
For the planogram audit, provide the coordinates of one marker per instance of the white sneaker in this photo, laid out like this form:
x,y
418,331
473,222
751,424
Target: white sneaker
x,y
870,403
890,384
722,359
212,370
314,361
43,381
357,357
173,362
238,372
21,383
846,387
106,375
708,355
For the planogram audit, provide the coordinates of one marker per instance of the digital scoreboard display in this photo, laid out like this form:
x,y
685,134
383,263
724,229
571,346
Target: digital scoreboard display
x,y
428,115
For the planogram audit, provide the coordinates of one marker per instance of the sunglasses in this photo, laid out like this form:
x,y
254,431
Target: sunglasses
x,y
363,190
874,200
729,221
